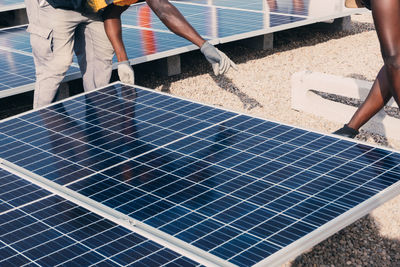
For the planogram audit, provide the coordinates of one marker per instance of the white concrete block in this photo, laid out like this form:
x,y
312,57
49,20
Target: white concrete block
x,y
303,99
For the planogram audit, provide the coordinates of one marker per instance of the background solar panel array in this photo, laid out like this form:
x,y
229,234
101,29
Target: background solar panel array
x,y
44,229
146,38
7,5
254,5
211,21
18,70
238,187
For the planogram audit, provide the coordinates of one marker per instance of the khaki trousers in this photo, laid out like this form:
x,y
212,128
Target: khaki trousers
x,y
55,34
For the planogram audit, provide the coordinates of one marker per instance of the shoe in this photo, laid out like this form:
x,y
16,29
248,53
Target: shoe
x,y
346,131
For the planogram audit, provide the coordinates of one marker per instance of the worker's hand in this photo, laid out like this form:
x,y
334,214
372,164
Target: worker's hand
x,y
219,61
125,73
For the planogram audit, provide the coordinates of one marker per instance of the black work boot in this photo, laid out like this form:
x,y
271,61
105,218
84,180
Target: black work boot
x,y
346,131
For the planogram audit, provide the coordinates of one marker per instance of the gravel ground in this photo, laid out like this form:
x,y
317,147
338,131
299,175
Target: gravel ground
x,y
261,87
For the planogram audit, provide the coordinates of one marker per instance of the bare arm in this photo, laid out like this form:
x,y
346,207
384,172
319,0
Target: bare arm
x,y
174,20
113,28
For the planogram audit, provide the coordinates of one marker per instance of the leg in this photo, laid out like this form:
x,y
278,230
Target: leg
x,y
386,14
94,52
375,101
51,41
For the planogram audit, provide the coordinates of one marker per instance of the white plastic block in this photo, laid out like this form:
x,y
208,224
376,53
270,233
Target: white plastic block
x,y
303,99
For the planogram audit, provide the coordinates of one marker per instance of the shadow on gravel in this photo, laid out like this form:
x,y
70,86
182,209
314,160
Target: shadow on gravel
x,y
227,84
304,36
193,63
359,244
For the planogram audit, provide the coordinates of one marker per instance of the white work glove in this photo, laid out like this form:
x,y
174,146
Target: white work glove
x,y
125,73
219,61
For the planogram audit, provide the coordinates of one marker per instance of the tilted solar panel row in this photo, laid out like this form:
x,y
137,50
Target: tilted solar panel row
x,y
243,189
147,39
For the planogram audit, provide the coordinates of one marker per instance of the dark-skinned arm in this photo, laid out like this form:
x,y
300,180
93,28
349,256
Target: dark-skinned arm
x,y
113,28
173,19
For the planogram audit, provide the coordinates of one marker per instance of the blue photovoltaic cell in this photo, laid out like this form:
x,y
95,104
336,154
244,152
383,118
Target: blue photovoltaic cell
x,y
15,191
238,187
15,38
49,230
18,70
140,42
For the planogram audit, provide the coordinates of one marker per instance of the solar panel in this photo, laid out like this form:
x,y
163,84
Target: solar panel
x,y
226,21
37,227
7,5
254,5
210,21
243,189
15,38
18,69
18,73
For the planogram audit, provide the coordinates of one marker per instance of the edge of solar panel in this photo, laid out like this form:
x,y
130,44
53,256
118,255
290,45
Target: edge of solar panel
x,y
298,246
12,7
330,228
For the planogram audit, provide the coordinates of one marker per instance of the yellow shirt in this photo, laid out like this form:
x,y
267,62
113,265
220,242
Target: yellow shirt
x,y
97,5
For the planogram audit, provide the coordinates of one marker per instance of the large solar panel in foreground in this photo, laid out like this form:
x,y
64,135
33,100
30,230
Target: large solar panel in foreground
x,y
241,189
